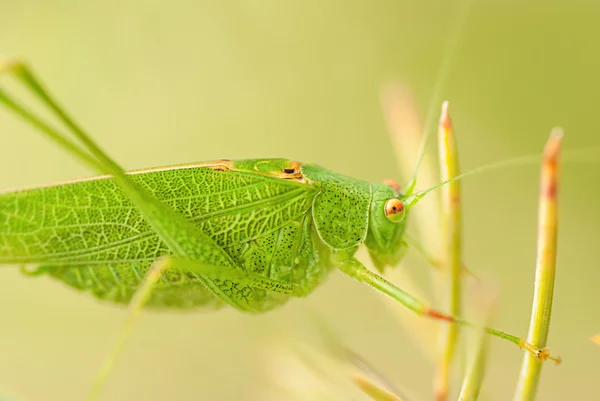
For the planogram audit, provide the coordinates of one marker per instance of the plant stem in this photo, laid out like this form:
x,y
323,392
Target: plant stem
x,y
545,268
451,234
471,386
406,133
374,391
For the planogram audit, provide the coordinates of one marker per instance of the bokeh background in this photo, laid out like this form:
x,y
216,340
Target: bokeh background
x,y
160,83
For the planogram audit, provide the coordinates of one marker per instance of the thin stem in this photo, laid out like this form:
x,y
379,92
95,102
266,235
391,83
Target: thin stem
x,y
457,33
374,391
135,306
451,251
413,243
406,133
471,387
545,268
405,130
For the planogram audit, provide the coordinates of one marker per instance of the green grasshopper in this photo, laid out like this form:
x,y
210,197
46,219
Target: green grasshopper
x,y
250,234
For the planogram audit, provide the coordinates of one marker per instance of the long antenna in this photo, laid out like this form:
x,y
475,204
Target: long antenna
x,y
458,31
516,161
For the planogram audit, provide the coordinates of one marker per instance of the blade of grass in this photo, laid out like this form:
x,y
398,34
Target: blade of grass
x,y
139,299
484,304
406,133
326,371
363,374
451,234
405,130
471,386
545,269
367,372
373,390
416,245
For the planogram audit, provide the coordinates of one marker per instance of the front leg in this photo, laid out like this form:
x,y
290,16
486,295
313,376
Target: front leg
x,y
356,269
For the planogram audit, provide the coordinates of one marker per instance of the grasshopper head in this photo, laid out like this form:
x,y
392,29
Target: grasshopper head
x,y
387,222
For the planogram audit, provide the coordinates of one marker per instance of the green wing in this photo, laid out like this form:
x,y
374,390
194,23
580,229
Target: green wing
x,y
90,236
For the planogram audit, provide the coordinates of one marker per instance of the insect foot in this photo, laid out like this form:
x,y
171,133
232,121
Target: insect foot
x,y
542,354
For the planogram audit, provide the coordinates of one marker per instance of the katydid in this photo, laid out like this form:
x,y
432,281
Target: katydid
x,y
249,234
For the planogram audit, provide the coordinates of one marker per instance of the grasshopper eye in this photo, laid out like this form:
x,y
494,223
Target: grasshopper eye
x,y
394,210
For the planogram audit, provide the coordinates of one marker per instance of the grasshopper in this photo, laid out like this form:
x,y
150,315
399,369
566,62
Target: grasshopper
x,y
249,234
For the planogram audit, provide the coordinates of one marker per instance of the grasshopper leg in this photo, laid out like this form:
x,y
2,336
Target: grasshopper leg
x,y
356,269
193,250
236,275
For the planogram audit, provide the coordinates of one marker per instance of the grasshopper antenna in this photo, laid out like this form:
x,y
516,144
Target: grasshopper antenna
x,y
413,199
455,40
573,156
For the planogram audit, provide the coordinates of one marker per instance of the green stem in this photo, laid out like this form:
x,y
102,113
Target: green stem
x,y
545,269
451,229
473,380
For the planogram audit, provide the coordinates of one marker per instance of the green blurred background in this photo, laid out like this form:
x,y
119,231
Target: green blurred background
x,y
160,83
